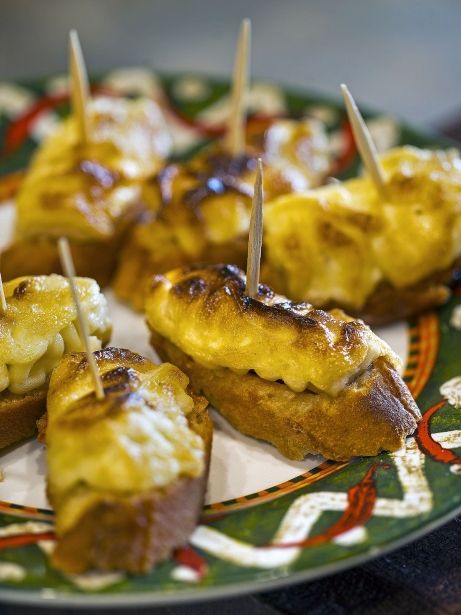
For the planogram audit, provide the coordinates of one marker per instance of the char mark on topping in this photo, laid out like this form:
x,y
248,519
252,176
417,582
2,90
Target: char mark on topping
x,y
109,354
101,174
164,180
21,289
223,174
118,354
190,288
219,281
120,379
221,163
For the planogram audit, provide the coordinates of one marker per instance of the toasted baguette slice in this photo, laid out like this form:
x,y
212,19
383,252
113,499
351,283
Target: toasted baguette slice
x,y
19,414
306,380
387,304
375,413
121,503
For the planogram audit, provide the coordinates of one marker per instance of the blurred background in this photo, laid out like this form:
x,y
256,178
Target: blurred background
x,y
401,57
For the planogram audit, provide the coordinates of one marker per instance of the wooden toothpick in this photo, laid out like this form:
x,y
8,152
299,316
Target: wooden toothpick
x,y
3,304
69,270
365,143
235,140
78,85
255,236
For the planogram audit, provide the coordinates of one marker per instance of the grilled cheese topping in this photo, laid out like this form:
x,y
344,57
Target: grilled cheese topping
x,y
299,151
208,199
205,312
83,189
40,325
137,438
335,244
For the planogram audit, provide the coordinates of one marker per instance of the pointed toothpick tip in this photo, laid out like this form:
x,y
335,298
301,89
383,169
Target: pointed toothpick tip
x,y
73,36
69,270
255,236
245,27
78,84
364,142
235,140
3,304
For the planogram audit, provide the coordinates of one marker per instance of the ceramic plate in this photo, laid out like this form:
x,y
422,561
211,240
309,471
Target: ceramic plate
x,y
267,521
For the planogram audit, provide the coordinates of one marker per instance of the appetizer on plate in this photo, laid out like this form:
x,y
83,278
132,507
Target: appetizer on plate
x,y
305,380
91,191
342,245
37,328
127,473
204,205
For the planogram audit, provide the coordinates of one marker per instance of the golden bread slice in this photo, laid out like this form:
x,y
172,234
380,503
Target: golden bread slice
x,y
127,474
306,380
19,415
39,326
374,413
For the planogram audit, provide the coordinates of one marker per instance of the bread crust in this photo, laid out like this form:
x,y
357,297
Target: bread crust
x,y
93,259
387,304
373,414
19,414
135,532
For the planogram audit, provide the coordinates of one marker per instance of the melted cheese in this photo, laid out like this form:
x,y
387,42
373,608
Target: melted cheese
x,y
337,243
82,190
134,440
40,326
205,313
295,156
298,150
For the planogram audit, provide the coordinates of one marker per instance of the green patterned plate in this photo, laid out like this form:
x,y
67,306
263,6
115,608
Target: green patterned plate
x,y
267,521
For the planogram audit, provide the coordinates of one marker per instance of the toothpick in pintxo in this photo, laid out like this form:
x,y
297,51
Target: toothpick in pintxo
x,y
78,85
69,270
3,304
365,143
255,236
235,139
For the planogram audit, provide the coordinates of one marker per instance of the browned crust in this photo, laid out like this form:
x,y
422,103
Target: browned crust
x,y
19,414
132,533
374,413
93,259
135,532
387,304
